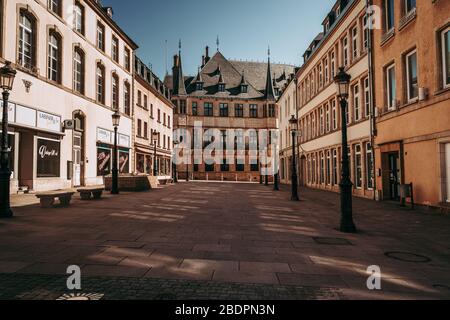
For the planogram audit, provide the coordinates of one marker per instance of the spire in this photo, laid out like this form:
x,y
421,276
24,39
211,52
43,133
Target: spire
x,y
218,43
221,81
199,78
270,92
179,88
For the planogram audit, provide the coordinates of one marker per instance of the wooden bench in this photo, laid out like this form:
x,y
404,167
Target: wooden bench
x,y
48,198
96,192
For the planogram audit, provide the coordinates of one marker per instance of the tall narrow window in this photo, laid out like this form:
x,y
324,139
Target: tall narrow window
x,y
358,167
78,17
100,83
328,168
321,125
365,32
333,65
446,56
411,76
115,49
126,58
327,126
100,36
369,167
239,110
391,87
367,97
54,57
115,91
27,36
127,98
78,71
334,114
208,109
326,70
389,14
194,109
356,102
271,110
335,167
355,42
345,51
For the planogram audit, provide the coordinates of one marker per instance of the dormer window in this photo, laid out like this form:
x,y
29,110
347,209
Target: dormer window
x,y
221,87
199,86
244,88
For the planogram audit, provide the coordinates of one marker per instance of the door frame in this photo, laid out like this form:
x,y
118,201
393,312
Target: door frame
x,y
80,115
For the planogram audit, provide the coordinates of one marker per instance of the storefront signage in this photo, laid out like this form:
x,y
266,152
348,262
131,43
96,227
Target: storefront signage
x,y
48,121
11,111
104,135
124,161
25,116
103,161
107,136
48,158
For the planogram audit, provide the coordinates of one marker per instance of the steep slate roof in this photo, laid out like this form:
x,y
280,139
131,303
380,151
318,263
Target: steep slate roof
x,y
232,73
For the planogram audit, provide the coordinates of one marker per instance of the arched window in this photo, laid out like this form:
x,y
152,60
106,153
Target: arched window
x,y
54,57
78,17
27,40
55,6
126,98
78,70
115,91
100,83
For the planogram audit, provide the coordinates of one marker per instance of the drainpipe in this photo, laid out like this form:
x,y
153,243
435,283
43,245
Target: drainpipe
x,y
372,116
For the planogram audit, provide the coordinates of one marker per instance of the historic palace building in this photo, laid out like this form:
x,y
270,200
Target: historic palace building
x,y
412,86
73,62
344,42
227,95
153,118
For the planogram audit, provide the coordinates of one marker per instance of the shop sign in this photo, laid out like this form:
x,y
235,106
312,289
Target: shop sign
x,y
48,121
48,158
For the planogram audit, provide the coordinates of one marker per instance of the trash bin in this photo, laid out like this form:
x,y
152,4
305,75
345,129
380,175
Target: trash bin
x,y
406,191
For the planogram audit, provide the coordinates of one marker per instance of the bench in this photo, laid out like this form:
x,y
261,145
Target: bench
x,y
165,181
96,192
47,199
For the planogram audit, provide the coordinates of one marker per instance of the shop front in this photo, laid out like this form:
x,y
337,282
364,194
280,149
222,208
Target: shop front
x,y
105,148
35,138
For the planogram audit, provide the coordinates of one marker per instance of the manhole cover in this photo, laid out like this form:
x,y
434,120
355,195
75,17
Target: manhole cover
x,y
407,257
81,297
332,241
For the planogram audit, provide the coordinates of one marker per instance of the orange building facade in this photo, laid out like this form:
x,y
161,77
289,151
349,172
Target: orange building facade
x,y
411,58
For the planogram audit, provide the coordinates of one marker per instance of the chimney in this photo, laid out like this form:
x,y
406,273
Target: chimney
x,y
109,11
207,55
175,61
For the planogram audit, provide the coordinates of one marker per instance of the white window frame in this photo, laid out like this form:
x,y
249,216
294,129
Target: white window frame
x,y
445,67
334,114
78,17
357,102
53,58
77,73
345,57
25,30
369,175
367,102
355,37
391,97
408,76
358,155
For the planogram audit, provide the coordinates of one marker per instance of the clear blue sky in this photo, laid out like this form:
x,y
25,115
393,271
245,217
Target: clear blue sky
x,y
245,28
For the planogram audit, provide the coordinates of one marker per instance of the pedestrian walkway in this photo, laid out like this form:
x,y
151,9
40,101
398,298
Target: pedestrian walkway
x,y
216,235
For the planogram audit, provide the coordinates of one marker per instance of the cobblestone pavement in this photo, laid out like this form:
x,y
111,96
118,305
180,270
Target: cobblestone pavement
x,y
223,240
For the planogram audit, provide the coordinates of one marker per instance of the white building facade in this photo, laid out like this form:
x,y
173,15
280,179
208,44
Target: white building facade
x,y
153,112
73,63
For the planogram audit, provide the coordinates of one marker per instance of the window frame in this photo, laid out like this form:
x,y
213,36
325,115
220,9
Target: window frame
x,y
101,39
82,63
54,55
409,80
100,94
390,96
445,61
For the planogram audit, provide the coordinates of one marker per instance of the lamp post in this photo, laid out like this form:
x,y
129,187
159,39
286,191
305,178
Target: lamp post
x,y
115,170
7,75
276,186
342,81
293,123
174,166
155,136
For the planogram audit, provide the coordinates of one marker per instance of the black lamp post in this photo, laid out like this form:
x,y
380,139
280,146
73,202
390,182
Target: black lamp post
x,y
174,166
155,136
7,75
342,80
293,122
276,186
115,169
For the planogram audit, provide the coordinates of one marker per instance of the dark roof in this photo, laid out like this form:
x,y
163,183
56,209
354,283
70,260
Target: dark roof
x,y
232,73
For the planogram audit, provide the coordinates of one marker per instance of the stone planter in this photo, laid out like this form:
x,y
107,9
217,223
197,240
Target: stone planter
x,y
132,183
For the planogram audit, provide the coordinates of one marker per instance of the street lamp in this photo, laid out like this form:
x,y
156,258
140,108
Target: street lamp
x,y
115,170
7,75
174,166
293,123
155,136
342,80
276,186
